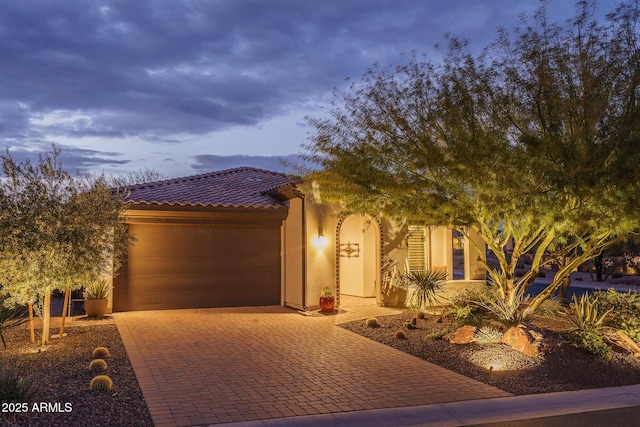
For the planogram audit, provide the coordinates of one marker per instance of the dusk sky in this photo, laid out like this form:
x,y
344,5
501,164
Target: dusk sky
x,y
190,86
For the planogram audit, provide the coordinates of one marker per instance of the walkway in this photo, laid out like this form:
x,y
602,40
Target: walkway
x,y
209,366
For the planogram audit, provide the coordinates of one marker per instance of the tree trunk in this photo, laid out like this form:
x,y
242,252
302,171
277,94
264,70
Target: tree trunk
x,y
46,315
67,298
31,329
599,264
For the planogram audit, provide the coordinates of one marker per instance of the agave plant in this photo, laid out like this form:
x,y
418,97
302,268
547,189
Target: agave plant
x,y
586,316
422,288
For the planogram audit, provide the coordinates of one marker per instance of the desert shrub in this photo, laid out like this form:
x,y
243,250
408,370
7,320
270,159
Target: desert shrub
x,y
463,310
372,322
399,335
101,383
10,318
619,302
462,315
422,288
14,388
592,341
438,334
510,311
630,325
97,365
487,334
100,353
551,307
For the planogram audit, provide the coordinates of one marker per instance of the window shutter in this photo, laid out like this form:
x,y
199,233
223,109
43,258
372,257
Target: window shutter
x,y
416,244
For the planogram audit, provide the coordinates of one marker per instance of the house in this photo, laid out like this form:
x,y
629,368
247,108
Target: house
x,y
248,237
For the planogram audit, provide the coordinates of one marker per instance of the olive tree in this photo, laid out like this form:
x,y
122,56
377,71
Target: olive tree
x,y
57,231
534,141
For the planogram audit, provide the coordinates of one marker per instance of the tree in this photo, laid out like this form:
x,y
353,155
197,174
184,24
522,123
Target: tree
x,y
140,176
535,139
57,231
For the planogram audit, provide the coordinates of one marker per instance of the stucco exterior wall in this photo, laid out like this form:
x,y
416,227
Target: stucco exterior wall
x,y
293,255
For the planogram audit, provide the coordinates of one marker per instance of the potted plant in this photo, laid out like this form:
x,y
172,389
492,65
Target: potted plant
x,y
327,301
96,298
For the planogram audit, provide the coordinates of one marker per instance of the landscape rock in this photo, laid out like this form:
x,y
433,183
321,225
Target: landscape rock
x,y
463,335
621,343
526,339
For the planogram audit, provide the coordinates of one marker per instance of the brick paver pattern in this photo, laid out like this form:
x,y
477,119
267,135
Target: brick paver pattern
x,y
208,366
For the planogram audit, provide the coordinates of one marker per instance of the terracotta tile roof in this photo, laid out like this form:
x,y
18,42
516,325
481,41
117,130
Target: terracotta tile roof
x,y
243,187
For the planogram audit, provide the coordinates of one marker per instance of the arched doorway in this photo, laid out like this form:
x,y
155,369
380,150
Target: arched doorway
x,y
358,253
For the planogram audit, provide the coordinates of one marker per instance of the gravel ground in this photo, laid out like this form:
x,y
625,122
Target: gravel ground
x,y
564,368
60,376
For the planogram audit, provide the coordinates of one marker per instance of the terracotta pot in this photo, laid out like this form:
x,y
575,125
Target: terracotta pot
x,y
327,304
95,307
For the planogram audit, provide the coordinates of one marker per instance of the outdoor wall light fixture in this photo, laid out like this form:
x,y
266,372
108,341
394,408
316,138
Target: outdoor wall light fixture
x,y
319,241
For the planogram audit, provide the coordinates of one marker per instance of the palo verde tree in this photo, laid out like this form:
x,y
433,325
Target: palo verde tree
x,y
535,140
57,231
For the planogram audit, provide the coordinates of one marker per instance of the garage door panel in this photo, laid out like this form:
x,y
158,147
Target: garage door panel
x,y
174,266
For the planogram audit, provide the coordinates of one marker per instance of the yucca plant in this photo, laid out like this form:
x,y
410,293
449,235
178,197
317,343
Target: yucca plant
x,y
422,288
586,316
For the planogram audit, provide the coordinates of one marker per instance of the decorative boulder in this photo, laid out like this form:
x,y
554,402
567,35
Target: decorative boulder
x,y
525,339
463,335
621,343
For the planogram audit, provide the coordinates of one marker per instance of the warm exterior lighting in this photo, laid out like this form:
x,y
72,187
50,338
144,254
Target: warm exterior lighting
x,y
320,241
497,366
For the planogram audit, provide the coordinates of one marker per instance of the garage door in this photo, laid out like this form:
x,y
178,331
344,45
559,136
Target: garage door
x,y
187,266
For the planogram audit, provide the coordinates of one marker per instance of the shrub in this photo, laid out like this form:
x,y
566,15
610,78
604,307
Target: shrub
x,y
372,322
437,335
630,325
97,365
486,335
551,307
399,335
510,311
462,315
624,308
14,388
100,353
10,318
101,383
591,341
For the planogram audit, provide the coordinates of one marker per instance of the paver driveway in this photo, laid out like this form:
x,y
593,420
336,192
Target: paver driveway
x,y
208,366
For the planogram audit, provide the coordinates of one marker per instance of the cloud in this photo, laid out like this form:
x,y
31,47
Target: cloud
x,y
73,159
178,70
211,162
